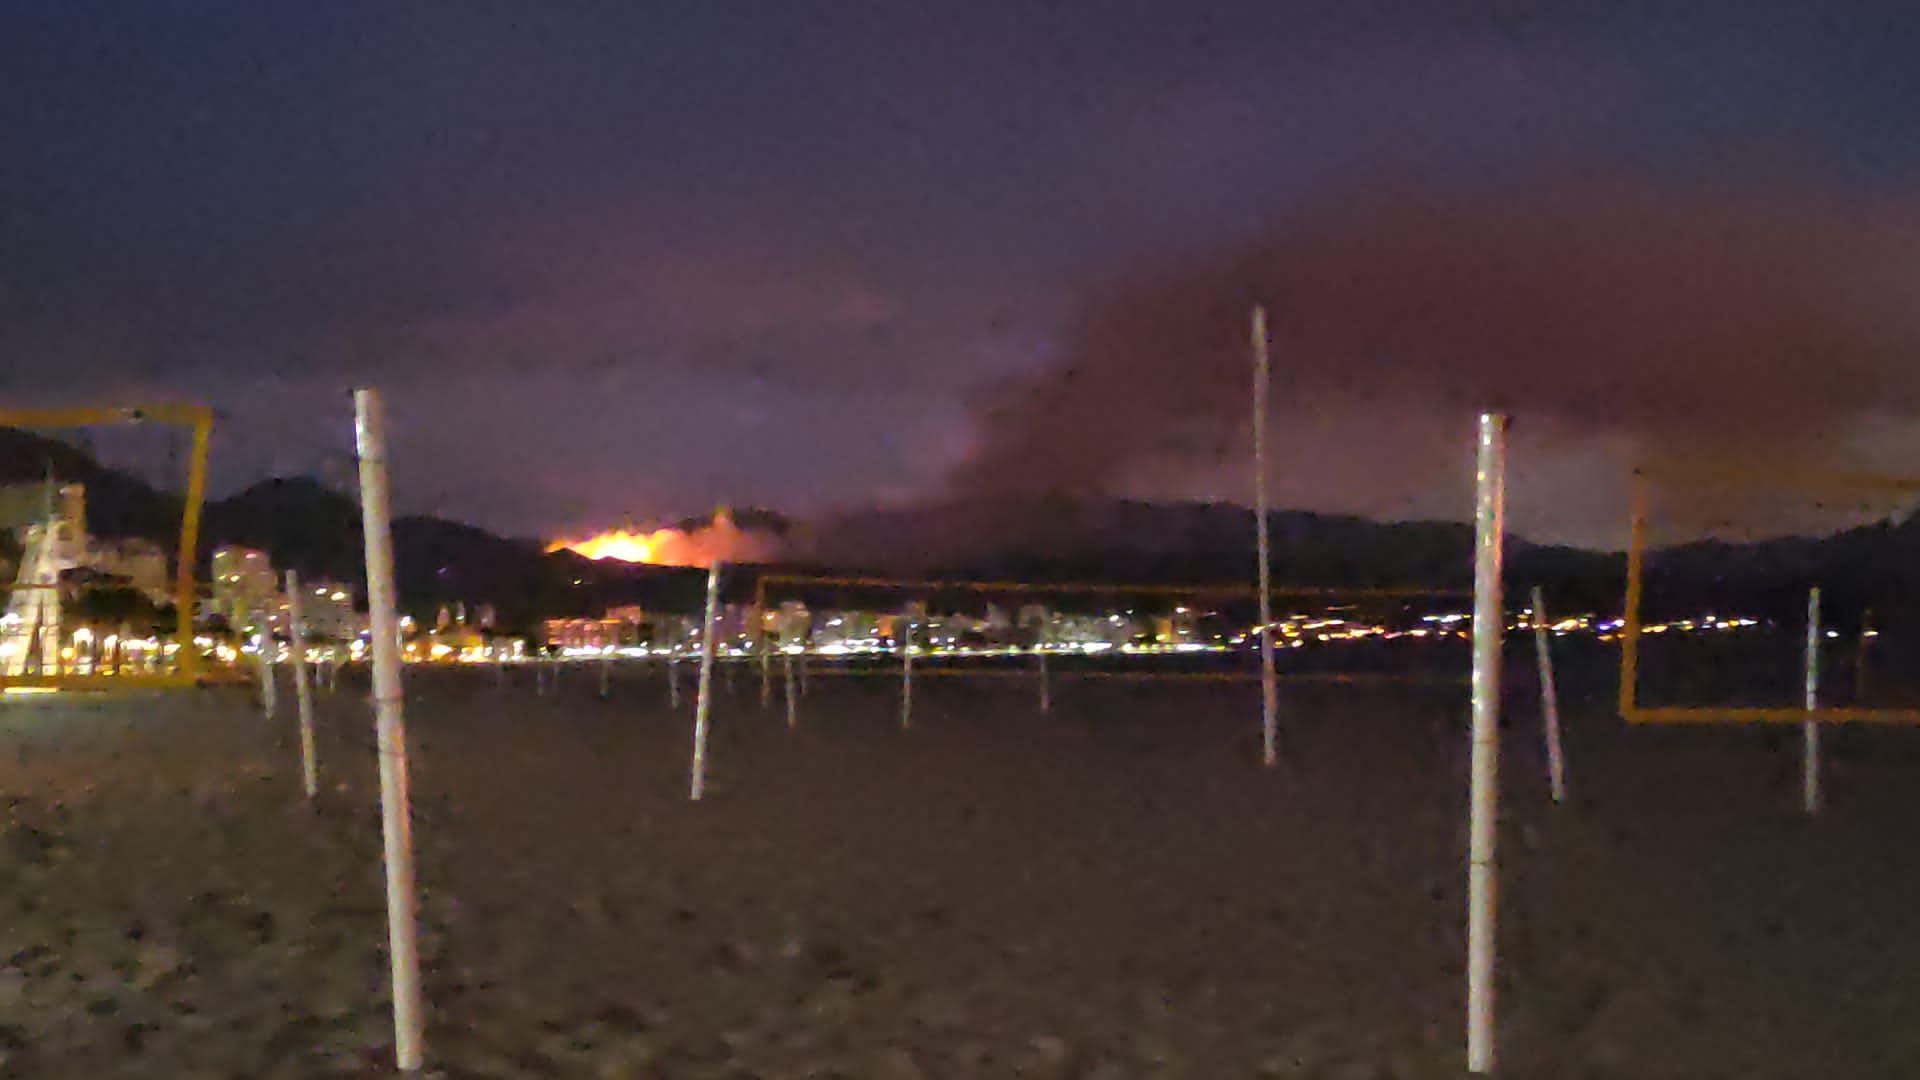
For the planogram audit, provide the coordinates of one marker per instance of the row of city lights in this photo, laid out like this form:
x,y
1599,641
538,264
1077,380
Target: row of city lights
x,y
1293,633
81,655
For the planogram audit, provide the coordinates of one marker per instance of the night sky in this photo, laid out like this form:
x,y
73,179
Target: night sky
x,y
625,262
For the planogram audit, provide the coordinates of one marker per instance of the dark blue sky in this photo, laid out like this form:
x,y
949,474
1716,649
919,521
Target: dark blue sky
x,y
629,260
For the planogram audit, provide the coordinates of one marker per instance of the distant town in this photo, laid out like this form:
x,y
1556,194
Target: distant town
x,y
85,604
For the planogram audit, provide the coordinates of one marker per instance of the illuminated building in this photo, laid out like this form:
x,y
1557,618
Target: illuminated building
x,y
142,562
618,627
790,624
326,607
244,586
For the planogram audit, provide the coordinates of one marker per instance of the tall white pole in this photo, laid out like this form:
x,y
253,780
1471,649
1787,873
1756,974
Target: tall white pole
x,y
1549,701
1046,691
408,1019
1269,692
793,697
766,661
269,685
1489,622
1810,731
302,690
703,700
906,668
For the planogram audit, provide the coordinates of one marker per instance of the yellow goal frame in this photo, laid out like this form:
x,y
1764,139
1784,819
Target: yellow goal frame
x,y
1705,478
198,419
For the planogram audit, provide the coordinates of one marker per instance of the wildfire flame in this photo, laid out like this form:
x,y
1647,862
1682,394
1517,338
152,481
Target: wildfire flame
x,y
634,547
721,541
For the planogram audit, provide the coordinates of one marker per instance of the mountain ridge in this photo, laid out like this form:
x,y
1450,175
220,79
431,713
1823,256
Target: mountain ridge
x,y
315,529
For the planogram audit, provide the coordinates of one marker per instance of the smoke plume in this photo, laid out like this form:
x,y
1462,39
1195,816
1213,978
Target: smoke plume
x,y
1695,326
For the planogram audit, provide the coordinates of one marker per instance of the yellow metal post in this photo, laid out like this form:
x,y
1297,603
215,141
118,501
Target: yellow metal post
x,y
183,590
200,419
1630,630
1630,617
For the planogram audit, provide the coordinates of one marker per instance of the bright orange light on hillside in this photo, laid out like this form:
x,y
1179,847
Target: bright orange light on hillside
x,y
718,541
618,544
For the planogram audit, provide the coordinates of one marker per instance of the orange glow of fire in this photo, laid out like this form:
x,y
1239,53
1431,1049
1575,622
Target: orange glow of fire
x,y
718,541
624,546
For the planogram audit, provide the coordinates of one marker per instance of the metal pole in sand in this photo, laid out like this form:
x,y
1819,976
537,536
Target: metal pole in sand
x,y
1489,621
793,698
1046,691
703,702
302,690
606,670
766,661
408,1021
1549,701
1269,691
673,680
906,669
269,689
1810,731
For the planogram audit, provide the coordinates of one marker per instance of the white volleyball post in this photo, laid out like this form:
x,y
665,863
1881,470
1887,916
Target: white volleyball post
x,y
1549,701
1046,692
302,690
1489,622
766,662
1810,731
906,668
269,690
1269,692
793,699
703,701
408,1021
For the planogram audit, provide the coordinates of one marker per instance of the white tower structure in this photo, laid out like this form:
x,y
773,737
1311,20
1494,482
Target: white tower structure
x,y
30,634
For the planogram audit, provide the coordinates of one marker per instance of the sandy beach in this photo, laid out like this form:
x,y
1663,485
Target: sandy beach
x,y
1114,890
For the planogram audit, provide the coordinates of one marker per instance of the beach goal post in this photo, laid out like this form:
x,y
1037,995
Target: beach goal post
x,y
1716,620
109,600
